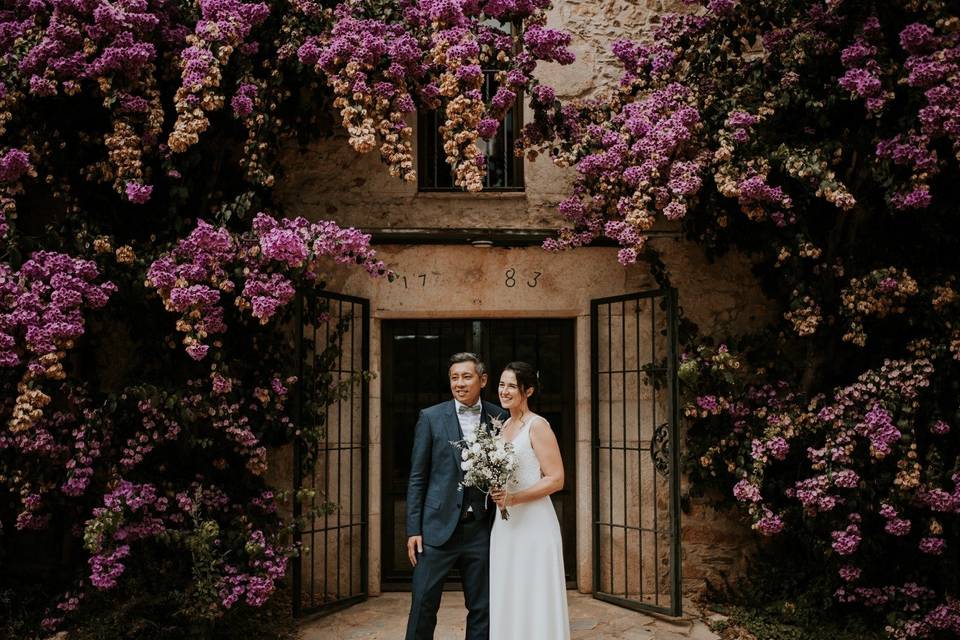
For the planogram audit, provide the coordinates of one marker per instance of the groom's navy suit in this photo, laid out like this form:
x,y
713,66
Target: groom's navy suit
x,y
454,523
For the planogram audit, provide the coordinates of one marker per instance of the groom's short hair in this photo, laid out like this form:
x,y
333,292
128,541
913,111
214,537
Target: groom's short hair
x,y
466,356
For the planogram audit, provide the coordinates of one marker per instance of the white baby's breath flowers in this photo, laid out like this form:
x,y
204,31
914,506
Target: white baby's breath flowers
x,y
488,462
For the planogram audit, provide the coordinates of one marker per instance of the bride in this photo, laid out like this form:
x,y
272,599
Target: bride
x,y
528,597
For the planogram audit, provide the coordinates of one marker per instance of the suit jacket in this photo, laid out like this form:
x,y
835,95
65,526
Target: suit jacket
x,y
434,499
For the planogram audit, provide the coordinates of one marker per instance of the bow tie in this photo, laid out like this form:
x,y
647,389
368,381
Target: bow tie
x,y
465,409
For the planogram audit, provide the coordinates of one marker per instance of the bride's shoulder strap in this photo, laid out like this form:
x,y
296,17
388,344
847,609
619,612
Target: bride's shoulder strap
x,y
537,419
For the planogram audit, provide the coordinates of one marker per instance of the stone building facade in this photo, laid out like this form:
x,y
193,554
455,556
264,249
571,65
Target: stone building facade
x,y
471,263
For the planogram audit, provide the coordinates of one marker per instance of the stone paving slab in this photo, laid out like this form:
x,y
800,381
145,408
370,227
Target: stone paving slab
x,y
385,617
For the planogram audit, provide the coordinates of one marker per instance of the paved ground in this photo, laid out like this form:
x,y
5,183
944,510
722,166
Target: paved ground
x,y
384,618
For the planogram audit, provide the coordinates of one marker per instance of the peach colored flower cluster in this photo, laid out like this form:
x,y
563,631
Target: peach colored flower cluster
x,y
880,293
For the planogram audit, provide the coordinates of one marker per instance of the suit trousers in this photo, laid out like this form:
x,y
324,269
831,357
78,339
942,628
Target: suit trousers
x,y
468,549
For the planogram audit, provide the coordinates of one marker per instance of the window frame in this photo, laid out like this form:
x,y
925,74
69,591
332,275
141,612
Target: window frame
x,y
430,155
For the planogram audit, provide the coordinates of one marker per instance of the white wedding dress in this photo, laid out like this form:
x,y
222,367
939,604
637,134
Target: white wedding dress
x,y
528,593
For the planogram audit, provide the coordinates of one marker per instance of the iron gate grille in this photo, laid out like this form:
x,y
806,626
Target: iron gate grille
x,y
636,487
332,407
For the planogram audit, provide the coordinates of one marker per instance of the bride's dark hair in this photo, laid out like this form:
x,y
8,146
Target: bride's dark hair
x,y
526,375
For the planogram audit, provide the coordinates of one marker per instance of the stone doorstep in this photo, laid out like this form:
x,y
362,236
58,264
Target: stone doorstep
x,y
383,618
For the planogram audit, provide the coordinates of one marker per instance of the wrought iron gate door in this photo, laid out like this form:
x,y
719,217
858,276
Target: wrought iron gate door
x,y
636,485
332,460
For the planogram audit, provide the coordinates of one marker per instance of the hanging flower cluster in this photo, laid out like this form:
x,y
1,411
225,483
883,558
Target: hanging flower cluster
x,y
813,167
437,55
190,280
646,161
863,74
156,428
372,67
638,154
880,293
60,450
457,52
931,66
109,46
256,582
249,105
40,318
258,270
224,26
914,152
14,165
804,315
241,416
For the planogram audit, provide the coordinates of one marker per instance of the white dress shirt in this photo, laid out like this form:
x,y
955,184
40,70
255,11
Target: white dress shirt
x,y
469,422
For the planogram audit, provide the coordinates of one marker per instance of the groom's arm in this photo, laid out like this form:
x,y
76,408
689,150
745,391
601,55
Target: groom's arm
x,y
419,475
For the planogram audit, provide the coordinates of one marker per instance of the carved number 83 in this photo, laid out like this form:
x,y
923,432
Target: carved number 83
x,y
510,278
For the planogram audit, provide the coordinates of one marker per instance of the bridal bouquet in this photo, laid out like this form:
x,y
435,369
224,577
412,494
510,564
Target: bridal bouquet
x,y
488,462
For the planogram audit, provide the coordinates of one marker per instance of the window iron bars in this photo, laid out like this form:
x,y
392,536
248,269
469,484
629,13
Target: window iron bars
x,y
504,169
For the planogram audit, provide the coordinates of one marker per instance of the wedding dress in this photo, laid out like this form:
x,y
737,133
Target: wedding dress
x,y
528,596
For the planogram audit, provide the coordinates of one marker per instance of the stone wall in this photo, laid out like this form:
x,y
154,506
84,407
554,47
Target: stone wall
x,y
328,180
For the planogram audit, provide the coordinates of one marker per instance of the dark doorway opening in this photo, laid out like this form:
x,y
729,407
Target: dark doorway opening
x,y
414,370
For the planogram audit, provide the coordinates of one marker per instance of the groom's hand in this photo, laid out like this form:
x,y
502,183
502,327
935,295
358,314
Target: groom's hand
x,y
414,546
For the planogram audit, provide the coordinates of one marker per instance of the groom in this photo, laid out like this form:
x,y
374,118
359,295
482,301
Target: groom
x,y
447,526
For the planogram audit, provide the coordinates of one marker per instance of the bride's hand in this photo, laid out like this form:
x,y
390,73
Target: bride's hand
x,y
500,497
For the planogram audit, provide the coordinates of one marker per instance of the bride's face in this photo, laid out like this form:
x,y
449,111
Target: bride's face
x,y
509,390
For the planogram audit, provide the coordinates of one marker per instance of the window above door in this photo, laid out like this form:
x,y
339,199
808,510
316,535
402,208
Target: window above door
x,y
504,169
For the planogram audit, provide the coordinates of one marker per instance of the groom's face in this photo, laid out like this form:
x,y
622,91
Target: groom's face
x,y
466,383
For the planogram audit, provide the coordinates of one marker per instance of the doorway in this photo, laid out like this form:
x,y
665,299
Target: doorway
x,y
414,370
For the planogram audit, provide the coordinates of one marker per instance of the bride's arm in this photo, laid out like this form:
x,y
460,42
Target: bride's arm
x,y
545,445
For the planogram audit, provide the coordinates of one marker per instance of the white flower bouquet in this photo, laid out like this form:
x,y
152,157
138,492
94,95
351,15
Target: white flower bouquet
x,y
487,460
